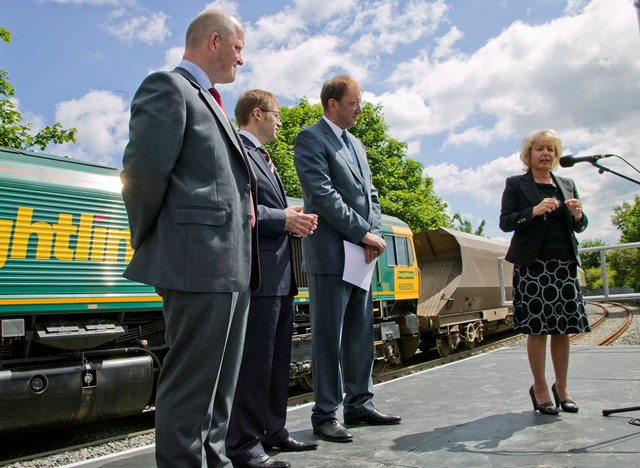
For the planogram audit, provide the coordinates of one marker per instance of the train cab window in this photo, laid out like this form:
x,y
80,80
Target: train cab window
x,y
391,250
401,250
410,252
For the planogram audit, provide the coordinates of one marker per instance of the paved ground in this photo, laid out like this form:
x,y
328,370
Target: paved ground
x,y
477,413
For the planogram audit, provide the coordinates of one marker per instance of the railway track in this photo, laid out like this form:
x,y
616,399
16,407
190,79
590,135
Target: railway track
x,y
610,324
395,372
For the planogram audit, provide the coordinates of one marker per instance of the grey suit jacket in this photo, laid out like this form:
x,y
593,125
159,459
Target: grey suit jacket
x,y
345,201
186,188
518,199
274,248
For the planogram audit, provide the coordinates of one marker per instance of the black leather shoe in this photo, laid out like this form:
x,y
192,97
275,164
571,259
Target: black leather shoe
x,y
293,445
544,408
374,418
332,431
263,460
568,406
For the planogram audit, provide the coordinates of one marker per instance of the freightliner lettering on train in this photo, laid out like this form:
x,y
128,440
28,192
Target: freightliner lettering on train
x,y
85,240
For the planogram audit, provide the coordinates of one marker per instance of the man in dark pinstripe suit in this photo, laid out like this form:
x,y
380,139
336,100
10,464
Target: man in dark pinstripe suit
x,y
259,409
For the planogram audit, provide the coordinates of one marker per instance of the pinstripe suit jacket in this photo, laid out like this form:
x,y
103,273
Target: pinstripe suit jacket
x,y
274,248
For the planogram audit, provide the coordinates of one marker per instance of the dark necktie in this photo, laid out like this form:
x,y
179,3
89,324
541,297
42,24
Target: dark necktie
x,y
267,158
354,158
216,95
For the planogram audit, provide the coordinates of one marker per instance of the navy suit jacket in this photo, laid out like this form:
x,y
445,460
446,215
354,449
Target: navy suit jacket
x,y
274,247
518,199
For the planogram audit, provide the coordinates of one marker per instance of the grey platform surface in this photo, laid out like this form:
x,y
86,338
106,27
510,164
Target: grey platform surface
x,y
477,413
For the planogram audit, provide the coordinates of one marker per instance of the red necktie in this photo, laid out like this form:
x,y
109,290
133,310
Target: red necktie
x,y
216,95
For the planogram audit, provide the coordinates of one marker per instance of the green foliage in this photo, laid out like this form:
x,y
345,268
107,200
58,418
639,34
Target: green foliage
x,y
591,259
403,190
593,277
626,263
464,225
293,119
627,219
591,264
5,34
13,132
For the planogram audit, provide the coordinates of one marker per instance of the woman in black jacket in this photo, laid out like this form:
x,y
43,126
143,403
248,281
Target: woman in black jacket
x,y
544,210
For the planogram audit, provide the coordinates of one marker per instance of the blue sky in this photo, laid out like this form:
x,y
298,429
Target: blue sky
x,y
461,81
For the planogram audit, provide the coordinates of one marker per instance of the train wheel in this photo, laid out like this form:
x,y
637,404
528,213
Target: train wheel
x,y
408,346
443,347
470,344
306,382
379,366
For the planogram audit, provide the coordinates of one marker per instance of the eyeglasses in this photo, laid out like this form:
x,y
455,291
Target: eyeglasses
x,y
354,104
273,112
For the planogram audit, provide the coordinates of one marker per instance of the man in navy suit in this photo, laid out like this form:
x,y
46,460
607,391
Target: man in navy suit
x,y
187,190
259,408
337,185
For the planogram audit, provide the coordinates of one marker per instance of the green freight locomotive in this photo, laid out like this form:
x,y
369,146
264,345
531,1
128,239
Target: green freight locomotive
x,y
79,343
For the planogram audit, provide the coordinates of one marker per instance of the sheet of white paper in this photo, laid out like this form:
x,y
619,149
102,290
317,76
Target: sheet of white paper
x,y
356,271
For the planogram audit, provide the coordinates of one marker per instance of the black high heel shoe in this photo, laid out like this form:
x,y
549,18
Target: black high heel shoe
x,y
568,406
544,408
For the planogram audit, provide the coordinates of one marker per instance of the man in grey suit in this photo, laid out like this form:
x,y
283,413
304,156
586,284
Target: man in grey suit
x,y
187,190
337,185
259,411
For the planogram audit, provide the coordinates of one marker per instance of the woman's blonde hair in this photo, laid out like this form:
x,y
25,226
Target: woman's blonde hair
x,y
530,140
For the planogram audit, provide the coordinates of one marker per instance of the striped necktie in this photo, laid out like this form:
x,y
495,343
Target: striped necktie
x,y
267,158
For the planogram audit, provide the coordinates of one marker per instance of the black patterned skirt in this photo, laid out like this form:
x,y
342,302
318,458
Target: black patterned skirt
x,y
547,299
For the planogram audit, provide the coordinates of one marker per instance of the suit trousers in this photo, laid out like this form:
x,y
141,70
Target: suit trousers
x,y
205,333
259,409
341,349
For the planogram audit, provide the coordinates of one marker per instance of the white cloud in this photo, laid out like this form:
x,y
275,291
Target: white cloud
x,y
354,36
280,71
444,44
314,11
172,58
409,114
150,29
282,30
383,26
229,6
528,77
101,118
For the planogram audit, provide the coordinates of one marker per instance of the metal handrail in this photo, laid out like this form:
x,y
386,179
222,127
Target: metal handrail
x,y
603,266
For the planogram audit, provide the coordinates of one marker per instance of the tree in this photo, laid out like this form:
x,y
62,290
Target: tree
x,y
404,192
626,263
464,225
293,120
14,133
591,265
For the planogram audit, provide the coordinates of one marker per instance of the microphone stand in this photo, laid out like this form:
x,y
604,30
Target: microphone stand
x,y
602,169
607,412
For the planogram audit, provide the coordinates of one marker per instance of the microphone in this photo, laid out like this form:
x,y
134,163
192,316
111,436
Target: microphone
x,y
569,161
